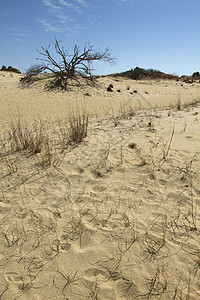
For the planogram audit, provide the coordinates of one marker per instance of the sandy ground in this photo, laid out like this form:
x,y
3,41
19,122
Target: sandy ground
x,y
35,103
114,217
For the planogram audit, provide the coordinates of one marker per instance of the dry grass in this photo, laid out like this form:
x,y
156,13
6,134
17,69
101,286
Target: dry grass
x,y
167,145
126,111
180,104
78,125
23,137
37,138
26,149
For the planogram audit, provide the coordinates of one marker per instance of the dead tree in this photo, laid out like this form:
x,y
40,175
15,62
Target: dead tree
x,y
70,69
32,75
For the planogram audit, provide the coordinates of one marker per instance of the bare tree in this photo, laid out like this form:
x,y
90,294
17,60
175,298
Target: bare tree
x,y
35,69
31,75
68,69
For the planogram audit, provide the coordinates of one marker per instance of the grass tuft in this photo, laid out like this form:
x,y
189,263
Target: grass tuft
x,y
22,137
78,126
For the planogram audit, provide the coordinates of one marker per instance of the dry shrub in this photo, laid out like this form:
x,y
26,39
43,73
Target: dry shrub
x,y
78,126
35,138
47,158
23,137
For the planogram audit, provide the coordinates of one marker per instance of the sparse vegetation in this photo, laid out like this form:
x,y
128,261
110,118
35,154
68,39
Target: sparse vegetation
x,y
78,125
35,139
22,137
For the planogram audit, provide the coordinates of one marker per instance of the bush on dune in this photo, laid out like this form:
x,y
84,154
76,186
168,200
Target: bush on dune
x,y
10,69
140,73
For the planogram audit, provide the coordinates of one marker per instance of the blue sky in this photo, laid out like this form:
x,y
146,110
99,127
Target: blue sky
x,y
159,34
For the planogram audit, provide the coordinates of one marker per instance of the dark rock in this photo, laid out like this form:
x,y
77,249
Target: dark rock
x,y
109,89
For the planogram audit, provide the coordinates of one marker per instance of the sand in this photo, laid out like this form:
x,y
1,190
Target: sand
x,y
113,217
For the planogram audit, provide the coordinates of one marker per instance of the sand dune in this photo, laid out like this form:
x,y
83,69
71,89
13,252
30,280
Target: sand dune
x,y
114,217
35,103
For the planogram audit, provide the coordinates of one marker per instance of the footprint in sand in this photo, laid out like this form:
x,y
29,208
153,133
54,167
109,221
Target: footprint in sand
x,y
13,277
95,272
96,174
